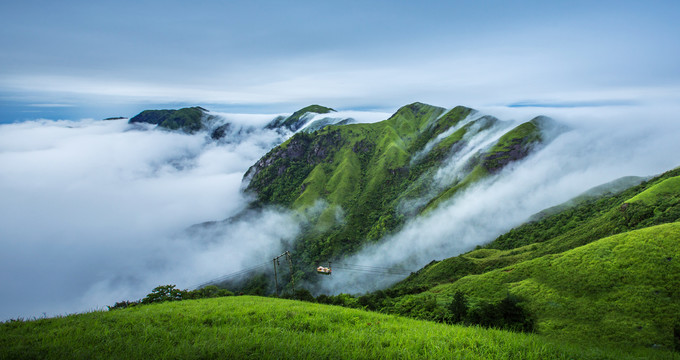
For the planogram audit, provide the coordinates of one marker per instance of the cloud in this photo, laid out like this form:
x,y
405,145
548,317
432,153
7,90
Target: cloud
x,y
93,212
51,105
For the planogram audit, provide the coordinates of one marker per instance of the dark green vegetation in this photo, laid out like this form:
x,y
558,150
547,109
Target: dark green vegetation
x,y
358,182
165,293
189,120
266,328
506,313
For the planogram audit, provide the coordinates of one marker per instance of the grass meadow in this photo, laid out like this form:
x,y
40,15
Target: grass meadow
x,y
270,328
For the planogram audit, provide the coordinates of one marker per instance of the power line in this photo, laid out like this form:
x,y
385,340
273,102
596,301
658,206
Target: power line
x,y
379,270
368,266
374,271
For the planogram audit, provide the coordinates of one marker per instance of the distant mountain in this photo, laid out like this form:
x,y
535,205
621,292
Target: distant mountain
x,y
299,118
189,120
194,119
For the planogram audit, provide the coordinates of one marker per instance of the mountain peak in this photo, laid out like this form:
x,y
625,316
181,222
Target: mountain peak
x,y
299,118
186,119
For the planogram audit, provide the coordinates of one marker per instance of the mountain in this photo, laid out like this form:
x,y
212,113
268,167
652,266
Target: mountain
x,y
609,188
189,120
299,118
194,119
358,182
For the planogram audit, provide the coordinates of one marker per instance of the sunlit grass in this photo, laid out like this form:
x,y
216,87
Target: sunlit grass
x,y
254,327
624,288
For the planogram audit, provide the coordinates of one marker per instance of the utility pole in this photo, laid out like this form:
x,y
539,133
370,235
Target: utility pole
x,y
289,257
290,267
276,278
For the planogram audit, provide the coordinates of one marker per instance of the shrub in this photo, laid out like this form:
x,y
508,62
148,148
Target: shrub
x,y
163,293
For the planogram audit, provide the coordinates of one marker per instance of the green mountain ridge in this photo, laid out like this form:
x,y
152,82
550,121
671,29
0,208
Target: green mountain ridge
x,y
189,120
193,119
610,188
298,118
361,175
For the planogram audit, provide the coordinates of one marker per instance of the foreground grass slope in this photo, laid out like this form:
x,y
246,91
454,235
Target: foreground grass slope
x,y
254,327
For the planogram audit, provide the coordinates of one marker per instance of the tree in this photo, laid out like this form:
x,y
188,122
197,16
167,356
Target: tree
x,y
163,293
513,316
458,308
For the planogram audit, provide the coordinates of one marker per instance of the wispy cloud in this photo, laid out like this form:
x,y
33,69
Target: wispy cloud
x,y
50,105
571,104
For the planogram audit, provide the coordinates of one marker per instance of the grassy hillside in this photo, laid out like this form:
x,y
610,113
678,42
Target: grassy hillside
x,y
362,181
267,328
590,219
603,269
624,288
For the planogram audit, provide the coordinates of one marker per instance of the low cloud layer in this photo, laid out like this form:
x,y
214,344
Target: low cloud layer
x,y
92,210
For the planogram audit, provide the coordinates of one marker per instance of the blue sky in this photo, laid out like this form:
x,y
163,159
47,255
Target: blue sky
x,y
74,59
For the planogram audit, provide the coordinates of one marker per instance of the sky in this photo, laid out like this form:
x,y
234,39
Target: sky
x,y
84,59
94,212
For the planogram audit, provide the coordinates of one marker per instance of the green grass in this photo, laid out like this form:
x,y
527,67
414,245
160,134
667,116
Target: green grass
x,y
267,328
624,288
667,187
525,133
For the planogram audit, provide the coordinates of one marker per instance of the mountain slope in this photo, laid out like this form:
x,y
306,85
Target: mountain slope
x,y
591,219
622,288
602,270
